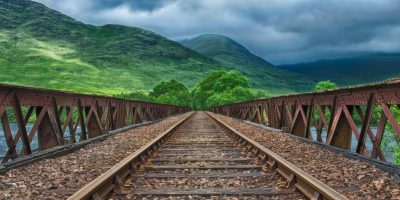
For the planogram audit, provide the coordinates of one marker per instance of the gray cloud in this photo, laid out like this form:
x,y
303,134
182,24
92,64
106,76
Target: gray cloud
x,y
280,31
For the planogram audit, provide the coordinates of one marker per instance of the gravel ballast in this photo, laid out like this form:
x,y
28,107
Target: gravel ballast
x,y
195,167
355,178
60,177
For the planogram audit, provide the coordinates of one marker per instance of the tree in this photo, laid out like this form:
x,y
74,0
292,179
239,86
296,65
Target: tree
x,y
221,87
233,95
166,87
204,89
325,85
135,95
171,92
216,88
260,94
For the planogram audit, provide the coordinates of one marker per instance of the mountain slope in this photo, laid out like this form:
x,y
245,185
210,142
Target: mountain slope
x,y
221,47
44,48
349,71
234,55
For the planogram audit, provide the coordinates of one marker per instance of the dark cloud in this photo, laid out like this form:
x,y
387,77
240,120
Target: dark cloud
x,y
280,31
99,5
146,5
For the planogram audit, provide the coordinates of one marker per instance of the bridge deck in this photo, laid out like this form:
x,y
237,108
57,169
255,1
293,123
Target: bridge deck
x,y
62,176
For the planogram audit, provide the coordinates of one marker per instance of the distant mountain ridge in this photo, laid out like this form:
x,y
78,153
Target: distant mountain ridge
x,y
234,55
213,45
362,69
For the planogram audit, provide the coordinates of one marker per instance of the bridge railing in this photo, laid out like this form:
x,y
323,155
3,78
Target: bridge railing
x,y
54,118
352,119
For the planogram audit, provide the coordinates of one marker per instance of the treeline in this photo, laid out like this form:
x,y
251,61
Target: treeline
x,y
216,88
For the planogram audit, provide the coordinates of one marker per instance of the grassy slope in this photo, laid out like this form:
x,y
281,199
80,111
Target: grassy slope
x,y
44,48
350,71
264,75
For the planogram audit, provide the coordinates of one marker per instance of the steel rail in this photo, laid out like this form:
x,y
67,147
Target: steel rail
x,y
100,187
305,183
111,180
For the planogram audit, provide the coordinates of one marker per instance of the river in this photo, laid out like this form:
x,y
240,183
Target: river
x,y
34,142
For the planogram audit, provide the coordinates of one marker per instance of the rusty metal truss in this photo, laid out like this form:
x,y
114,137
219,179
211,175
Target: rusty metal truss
x,y
49,114
341,114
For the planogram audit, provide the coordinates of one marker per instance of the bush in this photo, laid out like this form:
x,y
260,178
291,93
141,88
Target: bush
x,y
233,95
135,95
325,85
222,87
171,92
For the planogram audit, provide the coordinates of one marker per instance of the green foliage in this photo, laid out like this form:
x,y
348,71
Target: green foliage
x,y
171,92
221,87
230,80
167,87
260,94
135,95
390,140
43,48
325,85
216,88
396,154
180,98
167,92
235,94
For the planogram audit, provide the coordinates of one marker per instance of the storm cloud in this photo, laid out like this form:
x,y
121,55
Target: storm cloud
x,y
280,31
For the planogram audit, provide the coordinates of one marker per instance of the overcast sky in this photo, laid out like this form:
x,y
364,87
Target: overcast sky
x,y
281,31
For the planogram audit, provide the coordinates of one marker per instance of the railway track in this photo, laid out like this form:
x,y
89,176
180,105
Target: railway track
x,y
203,158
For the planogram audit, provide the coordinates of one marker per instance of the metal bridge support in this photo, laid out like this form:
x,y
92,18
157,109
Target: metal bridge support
x,y
341,131
137,115
300,124
47,134
93,126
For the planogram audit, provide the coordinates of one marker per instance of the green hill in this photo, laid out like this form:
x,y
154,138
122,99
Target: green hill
x,y
264,74
353,70
43,48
